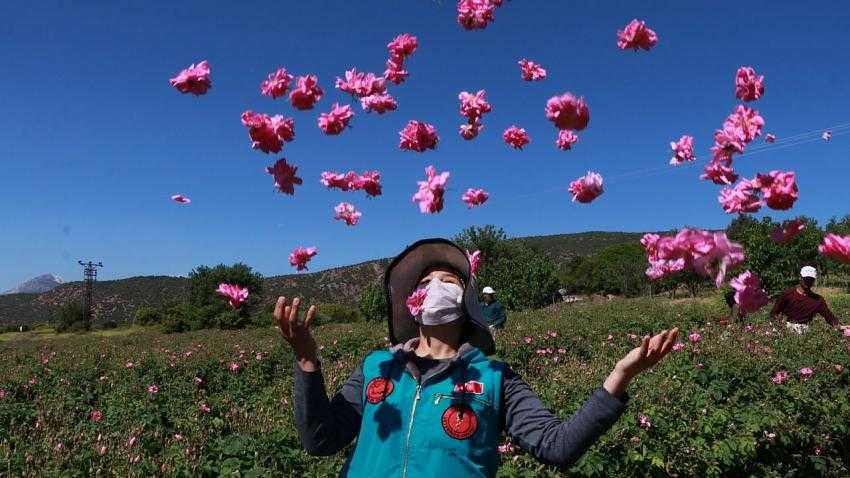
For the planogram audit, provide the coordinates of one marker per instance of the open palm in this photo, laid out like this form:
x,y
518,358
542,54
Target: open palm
x,y
648,353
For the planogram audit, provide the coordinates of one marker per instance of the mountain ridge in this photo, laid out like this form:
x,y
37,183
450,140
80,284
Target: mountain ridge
x,y
36,285
118,299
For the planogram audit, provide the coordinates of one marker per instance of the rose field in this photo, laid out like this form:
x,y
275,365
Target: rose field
x,y
213,403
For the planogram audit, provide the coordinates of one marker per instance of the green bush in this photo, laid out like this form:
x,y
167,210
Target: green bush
x,y
526,279
232,319
618,269
147,316
522,276
373,302
108,324
72,317
204,280
181,318
14,328
206,316
262,319
778,265
328,313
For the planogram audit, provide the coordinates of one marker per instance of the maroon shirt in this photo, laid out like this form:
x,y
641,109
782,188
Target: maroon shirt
x,y
801,308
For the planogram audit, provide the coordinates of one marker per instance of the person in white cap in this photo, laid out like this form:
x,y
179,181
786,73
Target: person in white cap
x,y
492,309
800,303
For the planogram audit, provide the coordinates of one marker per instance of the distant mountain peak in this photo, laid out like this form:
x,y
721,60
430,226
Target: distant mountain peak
x,y
36,285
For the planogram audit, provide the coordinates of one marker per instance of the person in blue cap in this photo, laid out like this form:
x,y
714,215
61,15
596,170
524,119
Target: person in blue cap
x,y
434,403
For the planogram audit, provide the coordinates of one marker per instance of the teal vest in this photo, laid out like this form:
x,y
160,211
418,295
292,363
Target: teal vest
x,y
447,426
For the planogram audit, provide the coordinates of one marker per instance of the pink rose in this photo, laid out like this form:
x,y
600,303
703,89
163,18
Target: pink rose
x,y
780,377
636,35
277,83
475,197
268,133
683,150
644,422
474,261
306,92
566,139
195,79
181,199
568,112
787,231
361,84
336,120
299,257
347,213
531,71
416,301
749,294
748,85
586,188
379,103
418,136
284,176
430,194
838,248
516,137
234,294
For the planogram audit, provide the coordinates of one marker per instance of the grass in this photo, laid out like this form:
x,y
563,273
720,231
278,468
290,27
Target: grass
x,y
710,405
49,333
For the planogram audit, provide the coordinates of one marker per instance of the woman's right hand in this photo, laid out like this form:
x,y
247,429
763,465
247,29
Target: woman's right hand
x,y
297,332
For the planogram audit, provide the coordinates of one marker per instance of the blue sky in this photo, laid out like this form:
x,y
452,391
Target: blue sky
x,y
94,141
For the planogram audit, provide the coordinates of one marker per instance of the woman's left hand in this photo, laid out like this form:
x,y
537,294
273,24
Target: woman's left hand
x,y
649,353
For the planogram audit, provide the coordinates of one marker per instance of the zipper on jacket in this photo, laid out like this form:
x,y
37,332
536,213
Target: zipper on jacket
x,y
410,429
440,396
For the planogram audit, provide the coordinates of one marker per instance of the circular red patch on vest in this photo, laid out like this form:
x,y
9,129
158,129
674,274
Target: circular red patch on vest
x,y
460,422
378,389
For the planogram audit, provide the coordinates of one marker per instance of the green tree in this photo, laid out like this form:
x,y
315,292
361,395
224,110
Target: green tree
x,y
778,265
490,240
147,316
204,280
72,317
180,318
575,274
690,279
210,308
336,313
373,302
619,269
524,279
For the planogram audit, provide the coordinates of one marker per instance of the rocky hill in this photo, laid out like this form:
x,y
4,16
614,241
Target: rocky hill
x,y
37,285
117,299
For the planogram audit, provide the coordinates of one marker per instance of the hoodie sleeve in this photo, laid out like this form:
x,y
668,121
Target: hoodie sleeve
x,y
549,438
324,425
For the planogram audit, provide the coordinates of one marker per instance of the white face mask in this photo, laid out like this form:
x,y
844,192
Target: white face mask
x,y
443,303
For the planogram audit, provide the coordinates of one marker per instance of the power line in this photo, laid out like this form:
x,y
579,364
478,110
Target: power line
x,y
90,275
782,143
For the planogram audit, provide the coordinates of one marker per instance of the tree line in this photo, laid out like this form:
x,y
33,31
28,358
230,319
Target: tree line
x,y
524,277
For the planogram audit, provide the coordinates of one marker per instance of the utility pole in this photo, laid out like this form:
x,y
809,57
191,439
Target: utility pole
x,y
90,275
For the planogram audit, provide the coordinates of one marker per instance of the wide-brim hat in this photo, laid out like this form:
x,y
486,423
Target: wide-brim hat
x,y
403,275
